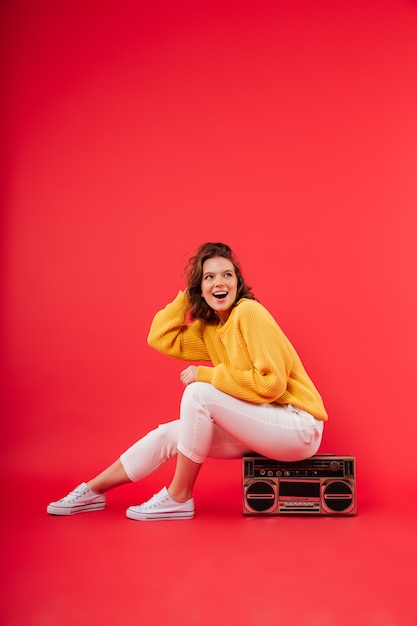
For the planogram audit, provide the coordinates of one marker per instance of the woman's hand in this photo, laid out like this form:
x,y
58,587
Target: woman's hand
x,y
188,375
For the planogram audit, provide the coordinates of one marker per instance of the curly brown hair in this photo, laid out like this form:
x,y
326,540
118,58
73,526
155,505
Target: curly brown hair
x,y
199,308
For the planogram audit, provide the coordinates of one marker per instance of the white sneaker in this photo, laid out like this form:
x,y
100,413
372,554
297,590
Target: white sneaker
x,y
81,500
162,507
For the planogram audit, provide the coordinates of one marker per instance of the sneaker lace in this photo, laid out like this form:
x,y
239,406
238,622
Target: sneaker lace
x,y
73,495
155,501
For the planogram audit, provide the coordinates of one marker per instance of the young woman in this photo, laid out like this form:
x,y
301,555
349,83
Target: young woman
x,y
253,396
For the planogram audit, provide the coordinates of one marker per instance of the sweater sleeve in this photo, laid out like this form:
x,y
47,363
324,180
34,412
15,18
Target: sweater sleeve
x,y
170,334
264,361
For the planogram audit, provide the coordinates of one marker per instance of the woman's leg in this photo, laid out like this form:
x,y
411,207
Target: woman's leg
x,y
210,439
113,476
210,417
185,475
281,432
141,459
152,450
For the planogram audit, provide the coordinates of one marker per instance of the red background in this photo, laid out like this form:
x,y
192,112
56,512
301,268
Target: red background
x,y
132,132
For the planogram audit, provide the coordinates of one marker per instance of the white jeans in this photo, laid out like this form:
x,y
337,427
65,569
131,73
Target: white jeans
x,y
214,424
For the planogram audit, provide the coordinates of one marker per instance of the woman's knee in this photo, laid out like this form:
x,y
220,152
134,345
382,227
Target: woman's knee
x,y
166,438
195,395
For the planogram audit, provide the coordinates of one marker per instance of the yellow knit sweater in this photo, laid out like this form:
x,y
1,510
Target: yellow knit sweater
x,y
252,358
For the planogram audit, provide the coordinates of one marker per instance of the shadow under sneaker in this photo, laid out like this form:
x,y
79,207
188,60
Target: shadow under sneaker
x,y
161,507
81,500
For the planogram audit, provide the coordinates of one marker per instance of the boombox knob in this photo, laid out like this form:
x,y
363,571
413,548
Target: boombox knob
x,y
335,466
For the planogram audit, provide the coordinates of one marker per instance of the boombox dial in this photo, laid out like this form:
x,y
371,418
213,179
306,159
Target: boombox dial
x,y
334,466
321,485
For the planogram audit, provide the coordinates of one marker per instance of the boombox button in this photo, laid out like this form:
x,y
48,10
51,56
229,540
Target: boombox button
x,y
270,473
287,473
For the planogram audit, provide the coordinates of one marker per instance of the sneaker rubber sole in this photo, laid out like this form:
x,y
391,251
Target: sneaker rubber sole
x,y
149,517
55,509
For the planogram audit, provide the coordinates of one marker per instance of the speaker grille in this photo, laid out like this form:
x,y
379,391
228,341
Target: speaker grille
x,y
338,496
261,496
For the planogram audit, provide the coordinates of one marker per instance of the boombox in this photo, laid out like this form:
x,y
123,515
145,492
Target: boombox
x,y
324,484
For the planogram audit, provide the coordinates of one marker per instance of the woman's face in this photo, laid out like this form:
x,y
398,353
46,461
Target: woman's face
x,y
219,286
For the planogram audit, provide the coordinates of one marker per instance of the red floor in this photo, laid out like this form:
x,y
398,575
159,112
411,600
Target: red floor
x,y
220,568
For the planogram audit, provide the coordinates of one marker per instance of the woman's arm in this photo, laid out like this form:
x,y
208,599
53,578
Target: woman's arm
x,y
170,334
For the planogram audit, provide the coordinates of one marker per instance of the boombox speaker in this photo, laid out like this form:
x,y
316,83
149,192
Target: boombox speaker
x,y
324,484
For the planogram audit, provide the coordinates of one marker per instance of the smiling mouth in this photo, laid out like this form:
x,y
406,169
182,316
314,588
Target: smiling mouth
x,y
220,295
